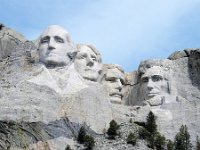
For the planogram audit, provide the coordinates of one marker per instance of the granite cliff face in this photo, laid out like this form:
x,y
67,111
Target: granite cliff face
x,y
170,89
52,87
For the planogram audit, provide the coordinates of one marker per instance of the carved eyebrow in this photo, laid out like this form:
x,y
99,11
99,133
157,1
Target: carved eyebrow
x,y
59,39
93,55
81,55
145,79
157,77
44,39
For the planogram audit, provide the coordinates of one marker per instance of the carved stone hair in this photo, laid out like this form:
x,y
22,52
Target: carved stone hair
x,y
165,73
163,64
112,66
79,46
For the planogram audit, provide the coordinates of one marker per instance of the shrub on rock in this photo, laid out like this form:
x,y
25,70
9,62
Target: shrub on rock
x,y
170,145
113,129
81,135
89,142
131,139
68,147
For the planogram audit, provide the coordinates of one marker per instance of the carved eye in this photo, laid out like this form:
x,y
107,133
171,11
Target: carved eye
x,y
145,79
157,78
44,40
82,56
110,79
122,81
94,58
59,39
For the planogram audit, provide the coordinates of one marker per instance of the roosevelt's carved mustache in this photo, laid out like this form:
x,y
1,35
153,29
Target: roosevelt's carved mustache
x,y
116,94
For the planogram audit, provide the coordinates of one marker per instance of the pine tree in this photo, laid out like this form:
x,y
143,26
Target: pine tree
x,y
113,129
198,144
89,142
182,139
170,145
68,147
151,123
159,141
81,135
151,127
131,139
143,133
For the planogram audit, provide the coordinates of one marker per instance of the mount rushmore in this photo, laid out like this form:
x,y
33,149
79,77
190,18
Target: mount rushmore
x,y
52,86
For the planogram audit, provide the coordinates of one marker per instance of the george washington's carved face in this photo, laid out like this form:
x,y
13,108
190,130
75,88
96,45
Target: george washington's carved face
x,y
54,46
154,83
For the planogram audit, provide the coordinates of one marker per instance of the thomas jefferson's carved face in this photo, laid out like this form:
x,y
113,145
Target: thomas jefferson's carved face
x,y
114,80
54,46
153,83
86,63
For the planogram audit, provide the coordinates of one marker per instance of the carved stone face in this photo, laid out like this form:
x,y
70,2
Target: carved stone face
x,y
86,63
114,80
54,46
153,83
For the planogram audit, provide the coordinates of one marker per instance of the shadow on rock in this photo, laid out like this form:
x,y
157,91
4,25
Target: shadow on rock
x,y
22,134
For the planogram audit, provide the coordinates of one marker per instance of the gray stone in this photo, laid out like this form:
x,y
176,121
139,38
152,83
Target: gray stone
x,y
88,62
112,77
181,54
11,42
177,55
46,98
176,106
55,44
91,106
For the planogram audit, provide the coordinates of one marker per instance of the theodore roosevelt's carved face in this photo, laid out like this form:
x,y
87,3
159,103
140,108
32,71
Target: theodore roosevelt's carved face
x,y
113,79
87,63
154,83
54,46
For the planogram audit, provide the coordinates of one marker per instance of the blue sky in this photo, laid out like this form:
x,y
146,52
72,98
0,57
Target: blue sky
x,y
125,32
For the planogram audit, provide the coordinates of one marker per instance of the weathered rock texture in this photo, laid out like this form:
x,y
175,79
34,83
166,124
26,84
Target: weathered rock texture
x,y
112,77
181,105
12,43
43,105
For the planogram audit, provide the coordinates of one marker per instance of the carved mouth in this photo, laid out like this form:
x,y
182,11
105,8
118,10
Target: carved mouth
x,y
88,69
53,54
118,95
152,94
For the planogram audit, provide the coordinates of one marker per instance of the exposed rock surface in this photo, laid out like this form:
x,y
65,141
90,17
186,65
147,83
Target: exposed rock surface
x,y
180,105
112,77
180,54
12,43
41,101
104,143
91,106
49,90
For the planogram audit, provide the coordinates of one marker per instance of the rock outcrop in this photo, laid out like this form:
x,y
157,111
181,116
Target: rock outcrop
x,y
179,103
51,87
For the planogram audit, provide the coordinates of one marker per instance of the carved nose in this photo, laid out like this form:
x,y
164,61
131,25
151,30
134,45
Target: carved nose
x,y
150,84
119,85
51,45
90,62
